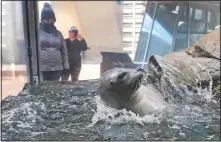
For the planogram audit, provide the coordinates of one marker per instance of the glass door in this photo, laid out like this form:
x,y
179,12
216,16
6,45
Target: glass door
x,y
14,51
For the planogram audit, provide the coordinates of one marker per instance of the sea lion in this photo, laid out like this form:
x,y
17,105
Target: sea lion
x,y
122,88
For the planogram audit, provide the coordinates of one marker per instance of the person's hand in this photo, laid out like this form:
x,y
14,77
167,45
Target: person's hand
x,y
65,71
79,37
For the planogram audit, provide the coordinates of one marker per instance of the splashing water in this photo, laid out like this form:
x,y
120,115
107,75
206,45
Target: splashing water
x,y
175,89
113,116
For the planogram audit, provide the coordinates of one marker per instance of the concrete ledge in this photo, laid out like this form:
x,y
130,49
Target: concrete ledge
x,y
20,67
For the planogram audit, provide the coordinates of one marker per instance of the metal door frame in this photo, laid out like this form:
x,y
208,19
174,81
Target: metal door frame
x,y
147,45
30,21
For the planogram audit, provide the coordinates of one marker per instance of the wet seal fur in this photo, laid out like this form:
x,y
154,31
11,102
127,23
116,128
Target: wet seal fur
x,y
122,88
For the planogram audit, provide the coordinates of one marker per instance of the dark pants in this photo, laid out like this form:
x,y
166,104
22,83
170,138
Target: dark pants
x,y
74,71
51,75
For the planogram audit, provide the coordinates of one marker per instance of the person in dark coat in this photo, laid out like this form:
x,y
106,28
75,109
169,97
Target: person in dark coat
x,y
75,45
53,50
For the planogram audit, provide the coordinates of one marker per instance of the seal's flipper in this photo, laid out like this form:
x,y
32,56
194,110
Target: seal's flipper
x,y
154,69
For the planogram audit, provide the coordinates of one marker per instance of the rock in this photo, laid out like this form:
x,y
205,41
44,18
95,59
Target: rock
x,y
203,69
210,42
214,129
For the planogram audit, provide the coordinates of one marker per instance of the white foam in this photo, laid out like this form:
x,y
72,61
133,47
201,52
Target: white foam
x,y
106,113
182,134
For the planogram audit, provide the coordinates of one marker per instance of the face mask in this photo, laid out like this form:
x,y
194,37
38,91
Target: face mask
x,y
48,27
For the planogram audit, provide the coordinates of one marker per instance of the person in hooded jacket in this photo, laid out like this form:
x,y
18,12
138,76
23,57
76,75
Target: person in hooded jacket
x,y
53,50
75,45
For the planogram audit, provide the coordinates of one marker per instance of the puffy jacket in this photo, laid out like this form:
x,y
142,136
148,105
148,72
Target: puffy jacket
x,y
74,50
54,54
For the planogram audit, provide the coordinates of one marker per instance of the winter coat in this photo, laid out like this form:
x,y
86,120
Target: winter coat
x,y
53,50
74,50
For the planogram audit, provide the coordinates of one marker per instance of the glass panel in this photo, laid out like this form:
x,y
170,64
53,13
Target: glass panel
x,y
162,34
198,14
14,59
205,18
181,37
197,21
145,32
213,18
99,38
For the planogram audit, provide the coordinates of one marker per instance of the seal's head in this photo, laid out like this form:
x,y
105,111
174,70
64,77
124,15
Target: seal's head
x,y
119,84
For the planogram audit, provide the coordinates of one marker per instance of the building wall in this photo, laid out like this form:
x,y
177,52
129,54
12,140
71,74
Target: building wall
x,y
66,16
133,13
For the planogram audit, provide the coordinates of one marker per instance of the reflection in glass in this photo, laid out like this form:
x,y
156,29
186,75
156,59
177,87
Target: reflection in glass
x,y
145,32
197,21
14,69
181,35
213,18
205,17
177,25
162,34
